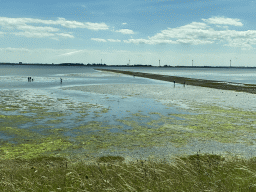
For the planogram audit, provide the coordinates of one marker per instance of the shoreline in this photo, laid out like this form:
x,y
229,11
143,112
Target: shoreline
x,y
248,88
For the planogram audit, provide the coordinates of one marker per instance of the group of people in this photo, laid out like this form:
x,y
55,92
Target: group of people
x,y
29,79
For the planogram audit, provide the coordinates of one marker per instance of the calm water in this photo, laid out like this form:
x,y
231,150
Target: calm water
x,y
235,75
47,82
16,76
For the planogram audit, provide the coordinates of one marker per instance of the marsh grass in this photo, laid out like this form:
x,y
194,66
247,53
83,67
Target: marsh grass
x,y
200,172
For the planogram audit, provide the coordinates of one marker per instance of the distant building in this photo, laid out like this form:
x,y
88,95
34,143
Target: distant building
x,y
20,63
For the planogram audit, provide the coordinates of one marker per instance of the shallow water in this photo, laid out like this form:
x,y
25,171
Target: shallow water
x,y
80,116
235,75
46,83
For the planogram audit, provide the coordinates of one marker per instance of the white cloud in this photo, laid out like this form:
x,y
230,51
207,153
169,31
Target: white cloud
x,y
223,21
31,31
114,40
14,22
222,26
34,34
125,31
124,23
150,42
184,32
104,40
96,26
14,50
65,35
35,28
42,34
70,53
197,33
98,40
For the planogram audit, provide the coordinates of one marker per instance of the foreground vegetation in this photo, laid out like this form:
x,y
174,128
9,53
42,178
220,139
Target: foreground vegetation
x,y
192,173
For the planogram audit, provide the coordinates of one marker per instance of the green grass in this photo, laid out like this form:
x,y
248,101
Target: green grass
x,y
200,172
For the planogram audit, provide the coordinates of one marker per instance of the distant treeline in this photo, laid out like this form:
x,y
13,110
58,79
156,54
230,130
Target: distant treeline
x,y
60,64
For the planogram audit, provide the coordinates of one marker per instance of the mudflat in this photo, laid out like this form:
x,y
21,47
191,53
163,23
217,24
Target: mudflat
x,y
189,119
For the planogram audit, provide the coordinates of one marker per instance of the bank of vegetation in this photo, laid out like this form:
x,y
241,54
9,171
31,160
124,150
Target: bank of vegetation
x,y
199,172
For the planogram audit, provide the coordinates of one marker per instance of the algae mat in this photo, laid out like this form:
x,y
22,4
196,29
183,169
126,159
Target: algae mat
x,y
32,127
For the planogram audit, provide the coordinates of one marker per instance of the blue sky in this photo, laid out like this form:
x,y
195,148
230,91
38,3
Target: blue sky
x,y
142,31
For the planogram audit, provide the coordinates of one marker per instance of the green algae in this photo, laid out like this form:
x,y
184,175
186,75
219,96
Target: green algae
x,y
154,113
104,110
139,115
92,126
208,122
56,131
59,99
30,150
82,111
51,114
129,123
35,107
54,121
25,111
224,125
14,120
10,108
14,131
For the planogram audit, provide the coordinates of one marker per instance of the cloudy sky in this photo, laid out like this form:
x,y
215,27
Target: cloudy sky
x,y
142,31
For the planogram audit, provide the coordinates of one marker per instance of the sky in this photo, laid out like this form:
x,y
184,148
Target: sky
x,y
209,32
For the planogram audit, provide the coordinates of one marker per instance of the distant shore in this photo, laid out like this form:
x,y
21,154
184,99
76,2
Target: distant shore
x,y
249,88
125,66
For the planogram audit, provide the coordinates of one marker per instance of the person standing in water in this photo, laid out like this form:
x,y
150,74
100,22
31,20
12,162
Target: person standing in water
x,y
60,80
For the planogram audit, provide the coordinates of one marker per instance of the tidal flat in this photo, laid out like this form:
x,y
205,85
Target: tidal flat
x,y
135,121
